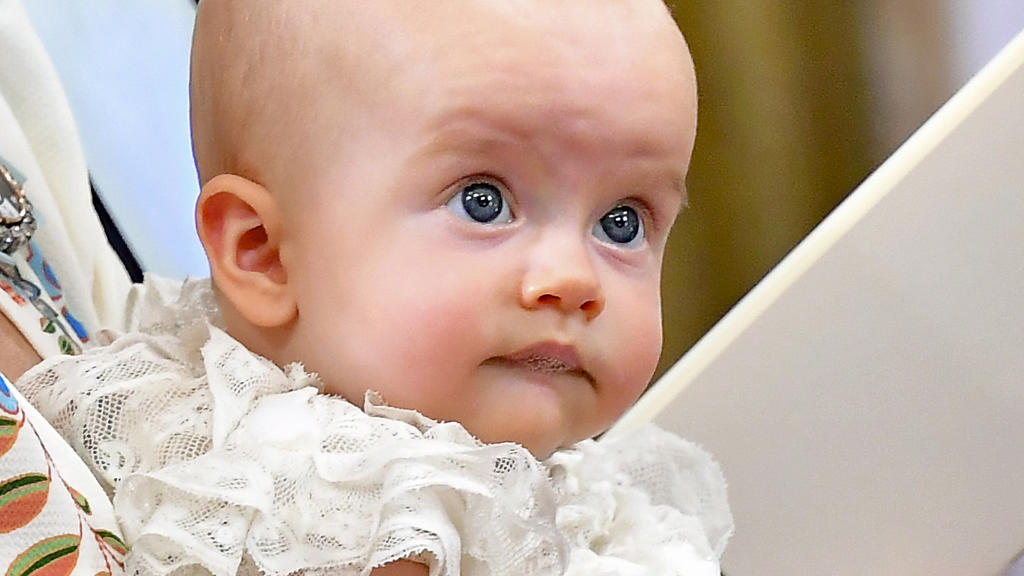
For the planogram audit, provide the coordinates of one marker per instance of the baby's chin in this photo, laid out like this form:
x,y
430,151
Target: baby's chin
x,y
540,440
542,414
541,448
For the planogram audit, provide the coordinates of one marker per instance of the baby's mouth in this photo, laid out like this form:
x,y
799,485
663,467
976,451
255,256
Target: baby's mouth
x,y
545,358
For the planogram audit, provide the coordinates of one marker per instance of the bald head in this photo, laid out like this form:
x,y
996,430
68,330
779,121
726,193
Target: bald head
x,y
272,80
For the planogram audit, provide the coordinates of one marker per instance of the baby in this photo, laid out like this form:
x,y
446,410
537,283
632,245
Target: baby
x,y
452,214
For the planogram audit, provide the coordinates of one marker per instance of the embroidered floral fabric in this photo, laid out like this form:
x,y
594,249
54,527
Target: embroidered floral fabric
x,y
54,519
223,463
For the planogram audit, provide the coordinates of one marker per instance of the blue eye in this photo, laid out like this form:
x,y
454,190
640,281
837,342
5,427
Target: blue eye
x,y
621,226
481,202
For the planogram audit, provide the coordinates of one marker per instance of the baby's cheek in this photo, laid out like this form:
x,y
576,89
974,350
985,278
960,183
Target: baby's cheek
x,y
435,349
634,359
438,331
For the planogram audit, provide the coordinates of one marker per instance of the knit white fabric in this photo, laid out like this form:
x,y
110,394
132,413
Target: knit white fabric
x,y
223,463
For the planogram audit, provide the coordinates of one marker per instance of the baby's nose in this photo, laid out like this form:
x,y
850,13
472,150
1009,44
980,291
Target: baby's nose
x,y
563,277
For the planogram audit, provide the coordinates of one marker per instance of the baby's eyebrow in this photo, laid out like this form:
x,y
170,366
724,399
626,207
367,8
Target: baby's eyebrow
x,y
467,137
474,128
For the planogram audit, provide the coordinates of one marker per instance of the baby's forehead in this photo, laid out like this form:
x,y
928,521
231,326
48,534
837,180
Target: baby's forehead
x,y
321,37
397,37
339,21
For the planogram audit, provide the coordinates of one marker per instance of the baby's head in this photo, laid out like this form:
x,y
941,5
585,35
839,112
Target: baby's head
x,y
460,204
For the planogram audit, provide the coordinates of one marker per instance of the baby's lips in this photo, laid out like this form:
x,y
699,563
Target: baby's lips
x,y
548,357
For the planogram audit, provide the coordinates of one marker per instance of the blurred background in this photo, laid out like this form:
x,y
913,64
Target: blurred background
x,y
799,103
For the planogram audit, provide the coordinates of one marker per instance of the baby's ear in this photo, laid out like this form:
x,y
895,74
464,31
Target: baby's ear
x,y
240,228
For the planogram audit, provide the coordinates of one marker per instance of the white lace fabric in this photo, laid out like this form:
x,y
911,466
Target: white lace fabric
x,y
223,463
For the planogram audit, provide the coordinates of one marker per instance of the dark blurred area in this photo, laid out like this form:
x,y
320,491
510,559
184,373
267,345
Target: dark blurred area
x,y
799,102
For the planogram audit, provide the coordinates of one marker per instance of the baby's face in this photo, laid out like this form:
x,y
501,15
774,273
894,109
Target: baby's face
x,y
486,245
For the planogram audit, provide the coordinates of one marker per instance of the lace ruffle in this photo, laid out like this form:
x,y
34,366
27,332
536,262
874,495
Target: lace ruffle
x,y
303,481
645,502
221,460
